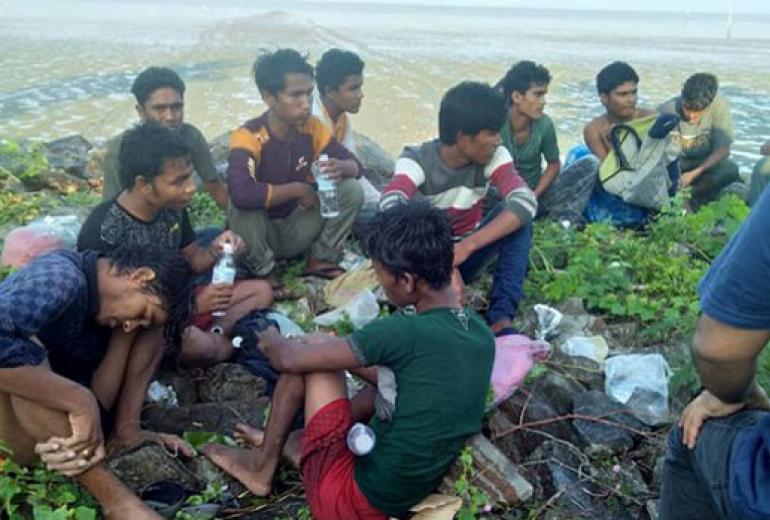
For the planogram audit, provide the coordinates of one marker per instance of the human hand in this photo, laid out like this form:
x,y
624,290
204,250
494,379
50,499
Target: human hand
x,y
225,237
463,250
703,407
213,297
129,438
336,169
269,338
73,455
458,285
687,178
308,198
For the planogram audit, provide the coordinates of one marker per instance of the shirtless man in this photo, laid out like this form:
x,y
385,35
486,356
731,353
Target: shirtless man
x,y
617,84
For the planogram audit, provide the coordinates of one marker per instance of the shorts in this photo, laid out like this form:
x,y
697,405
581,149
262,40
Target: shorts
x,y
204,320
328,467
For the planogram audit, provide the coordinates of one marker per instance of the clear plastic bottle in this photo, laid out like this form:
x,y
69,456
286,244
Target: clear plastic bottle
x,y
327,189
224,270
361,439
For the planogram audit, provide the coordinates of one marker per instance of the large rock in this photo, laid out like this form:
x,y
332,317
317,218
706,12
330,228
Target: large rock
x,y
533,407
495,475
220,417
559,390
229,382
378,164
69,154
150,463
603,438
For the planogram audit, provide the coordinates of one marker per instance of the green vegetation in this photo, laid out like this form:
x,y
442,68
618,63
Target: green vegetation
x,y
34,492
204,212
21,162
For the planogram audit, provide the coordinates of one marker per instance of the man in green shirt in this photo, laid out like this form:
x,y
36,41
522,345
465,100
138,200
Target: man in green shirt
x,y
431,368
530,137
159,93
704,134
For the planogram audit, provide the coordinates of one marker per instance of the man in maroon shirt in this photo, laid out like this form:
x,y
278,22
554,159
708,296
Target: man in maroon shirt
x,y
273,204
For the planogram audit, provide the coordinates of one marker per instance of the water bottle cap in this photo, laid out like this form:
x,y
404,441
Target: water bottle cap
x,y
237,342
227,248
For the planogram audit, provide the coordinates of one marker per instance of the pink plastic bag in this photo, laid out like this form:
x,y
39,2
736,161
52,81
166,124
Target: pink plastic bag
x,y
40,236
514,357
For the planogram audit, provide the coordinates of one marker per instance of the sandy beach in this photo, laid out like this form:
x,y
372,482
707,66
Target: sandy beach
x,y
68,65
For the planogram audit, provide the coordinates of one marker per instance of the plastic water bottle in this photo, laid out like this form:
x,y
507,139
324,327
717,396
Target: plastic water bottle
x,y
361,439
224,270
327,189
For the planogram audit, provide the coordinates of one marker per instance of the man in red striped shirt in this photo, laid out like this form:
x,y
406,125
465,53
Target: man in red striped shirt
x,y
455,172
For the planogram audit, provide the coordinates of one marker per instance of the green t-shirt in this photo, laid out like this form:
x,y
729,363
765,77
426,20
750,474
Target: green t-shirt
x,y
713,130
442,360
200,155
528,156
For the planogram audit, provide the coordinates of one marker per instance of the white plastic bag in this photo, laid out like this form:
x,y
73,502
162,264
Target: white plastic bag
x,y
594,347
548,320
640,381
362,309
38,237
288,327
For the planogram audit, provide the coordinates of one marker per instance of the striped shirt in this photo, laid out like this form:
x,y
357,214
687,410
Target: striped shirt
x,y
458,191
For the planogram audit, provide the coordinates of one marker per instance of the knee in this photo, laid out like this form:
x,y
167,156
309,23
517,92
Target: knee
x,y
350,193
258,291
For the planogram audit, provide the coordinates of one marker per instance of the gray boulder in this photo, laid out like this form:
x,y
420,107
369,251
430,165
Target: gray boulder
x,y
603,438
69,154
229,382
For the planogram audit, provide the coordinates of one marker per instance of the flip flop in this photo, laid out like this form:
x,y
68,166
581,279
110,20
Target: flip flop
x,y
327,273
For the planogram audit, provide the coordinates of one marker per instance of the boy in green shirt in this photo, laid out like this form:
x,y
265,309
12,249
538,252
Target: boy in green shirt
x,y
431,368
530,137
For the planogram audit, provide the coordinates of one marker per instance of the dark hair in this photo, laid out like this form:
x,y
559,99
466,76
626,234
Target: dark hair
x,y
270,69
173,284
469,108
145,148
522,76
614,75
699,91
335,66
153,78
412,237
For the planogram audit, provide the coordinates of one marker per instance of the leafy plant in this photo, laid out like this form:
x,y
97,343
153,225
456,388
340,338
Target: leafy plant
x,y
474,500
204,212
35,492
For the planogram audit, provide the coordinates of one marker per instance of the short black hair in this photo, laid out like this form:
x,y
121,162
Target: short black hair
x,y
614,75
522,76
173,284
153,78
412,237
469,108
270,69
335,66
144,150
699,91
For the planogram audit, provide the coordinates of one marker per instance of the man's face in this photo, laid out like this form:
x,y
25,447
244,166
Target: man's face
x,y
292,105
479,148
164,106
621,101
396,289
172,189
347,97
137,307
532,102
692,115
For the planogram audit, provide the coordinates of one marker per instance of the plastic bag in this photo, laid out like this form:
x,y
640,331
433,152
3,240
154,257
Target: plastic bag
x,y
515,355
594,347
346,287
640,381
287,327
548,320
361,309
40,236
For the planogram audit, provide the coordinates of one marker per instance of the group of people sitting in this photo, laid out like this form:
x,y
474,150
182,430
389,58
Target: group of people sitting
x,y
82,333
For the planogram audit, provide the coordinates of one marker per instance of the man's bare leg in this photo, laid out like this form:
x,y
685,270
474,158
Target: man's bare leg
x,y
38,424
255,468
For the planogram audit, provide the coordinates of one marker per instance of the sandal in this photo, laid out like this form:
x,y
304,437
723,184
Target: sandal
x,y
327,273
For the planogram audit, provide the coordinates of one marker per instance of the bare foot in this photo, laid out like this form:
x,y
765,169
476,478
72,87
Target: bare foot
x,y
247,436
245,466
135,510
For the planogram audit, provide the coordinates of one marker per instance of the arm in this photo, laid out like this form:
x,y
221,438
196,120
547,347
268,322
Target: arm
x,y
725,358
716,155
549,175
310,353
218,192
504,224
765,149
595,141
406,181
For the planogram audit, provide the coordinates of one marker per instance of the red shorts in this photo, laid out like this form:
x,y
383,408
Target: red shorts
x,y
328,467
